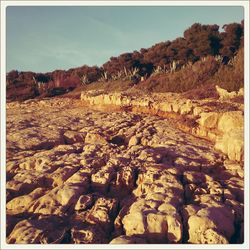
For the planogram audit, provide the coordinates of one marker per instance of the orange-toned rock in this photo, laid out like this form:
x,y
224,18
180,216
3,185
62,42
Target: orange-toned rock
x,y
25,182
153,222
103,213
62,174
84,202
134,224
94,138
44,139
134,140
175,228
123,184
220,222
232,144
209,120
230,120
224,94
72,137
100,181
22,203
24,233
126,176
58,201
91,234
43,230
157,227
124,239
196,177
212,237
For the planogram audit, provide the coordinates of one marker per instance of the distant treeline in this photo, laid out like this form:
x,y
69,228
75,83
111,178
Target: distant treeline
x,y
198,41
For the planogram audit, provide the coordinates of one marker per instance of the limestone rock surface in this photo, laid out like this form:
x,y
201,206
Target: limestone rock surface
x,y
121,168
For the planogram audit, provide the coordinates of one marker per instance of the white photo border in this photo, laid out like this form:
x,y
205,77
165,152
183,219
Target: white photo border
x,y
5,4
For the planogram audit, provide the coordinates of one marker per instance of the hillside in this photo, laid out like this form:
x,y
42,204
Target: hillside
x,y
202,57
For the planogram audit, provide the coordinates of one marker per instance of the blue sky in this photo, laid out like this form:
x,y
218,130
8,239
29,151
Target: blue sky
x,y
43,39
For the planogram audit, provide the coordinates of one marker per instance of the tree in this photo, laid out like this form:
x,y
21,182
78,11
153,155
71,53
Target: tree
x,y
157,54
231,39
179,50
203,39
43,78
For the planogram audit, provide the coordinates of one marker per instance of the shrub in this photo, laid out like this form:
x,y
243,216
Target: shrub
x,y
231,77
183,80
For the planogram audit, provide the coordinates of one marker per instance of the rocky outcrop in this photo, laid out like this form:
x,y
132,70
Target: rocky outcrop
x,y
121,177
205,120
226,129
232,144
224,94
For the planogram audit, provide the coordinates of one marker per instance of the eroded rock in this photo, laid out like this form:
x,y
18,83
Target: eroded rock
x,y
77,175
58,201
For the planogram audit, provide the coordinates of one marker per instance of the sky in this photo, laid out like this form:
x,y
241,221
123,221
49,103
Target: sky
x,y
46,38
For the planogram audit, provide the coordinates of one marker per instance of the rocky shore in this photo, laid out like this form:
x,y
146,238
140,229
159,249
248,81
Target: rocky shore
x,y
125,168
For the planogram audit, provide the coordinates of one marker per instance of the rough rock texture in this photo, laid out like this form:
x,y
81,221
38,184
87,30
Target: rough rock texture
x,y
224,94
216,120
80,175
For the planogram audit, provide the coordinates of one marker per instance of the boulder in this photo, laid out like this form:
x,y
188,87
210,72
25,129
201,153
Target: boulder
x,y
81,178
58,201
218,220
196,177
210,236
134,224
175,231
232,144
44,229
25,233
100,181
230,121
224,94
209,120
44,164
123,184
26,181
186,108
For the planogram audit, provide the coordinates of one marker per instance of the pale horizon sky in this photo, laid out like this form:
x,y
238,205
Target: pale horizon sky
x,y
46,38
